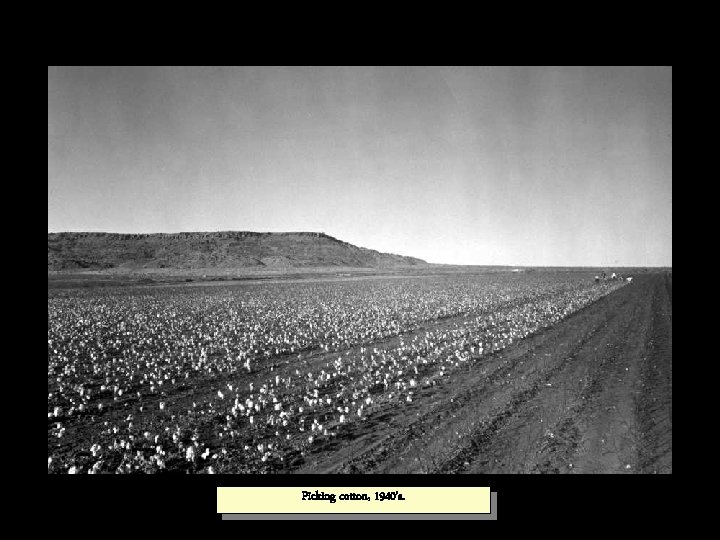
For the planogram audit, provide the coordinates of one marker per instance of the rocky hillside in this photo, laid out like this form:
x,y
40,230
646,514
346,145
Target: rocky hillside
x,y
77,251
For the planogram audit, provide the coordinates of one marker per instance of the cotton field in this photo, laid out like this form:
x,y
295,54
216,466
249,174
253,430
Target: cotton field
x,y
256,377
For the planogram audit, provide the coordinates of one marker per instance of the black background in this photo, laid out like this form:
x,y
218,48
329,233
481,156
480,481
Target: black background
x,y
91,505
545,501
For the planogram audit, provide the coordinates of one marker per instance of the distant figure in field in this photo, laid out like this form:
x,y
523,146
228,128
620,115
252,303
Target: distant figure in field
x,y
597,279
629,279
614,276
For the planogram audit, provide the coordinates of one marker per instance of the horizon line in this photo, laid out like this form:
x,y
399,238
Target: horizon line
x,y
504,265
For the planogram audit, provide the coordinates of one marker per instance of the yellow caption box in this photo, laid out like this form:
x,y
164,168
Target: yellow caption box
x,y
349,500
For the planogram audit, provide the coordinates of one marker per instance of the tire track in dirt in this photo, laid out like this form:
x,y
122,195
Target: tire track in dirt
x,y
654,405
620,427
600,433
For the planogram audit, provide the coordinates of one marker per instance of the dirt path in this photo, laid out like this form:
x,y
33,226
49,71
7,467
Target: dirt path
x,y
592,394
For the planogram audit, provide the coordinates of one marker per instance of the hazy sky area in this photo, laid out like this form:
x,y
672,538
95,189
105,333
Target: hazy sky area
x,y
518,166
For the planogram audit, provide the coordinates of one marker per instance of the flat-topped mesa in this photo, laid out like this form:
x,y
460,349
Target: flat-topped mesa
x,y
186,235
220,249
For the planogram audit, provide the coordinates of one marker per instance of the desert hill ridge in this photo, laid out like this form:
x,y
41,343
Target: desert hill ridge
x,y
69,251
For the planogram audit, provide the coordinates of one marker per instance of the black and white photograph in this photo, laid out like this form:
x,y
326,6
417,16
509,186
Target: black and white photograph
x,y
365,270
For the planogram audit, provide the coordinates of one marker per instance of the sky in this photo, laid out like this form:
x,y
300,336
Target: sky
x,y
526,166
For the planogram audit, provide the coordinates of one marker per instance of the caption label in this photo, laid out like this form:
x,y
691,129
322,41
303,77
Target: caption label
x,y
350,500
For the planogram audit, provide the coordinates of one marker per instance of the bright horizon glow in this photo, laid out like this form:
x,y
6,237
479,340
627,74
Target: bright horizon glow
x,y
477,166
